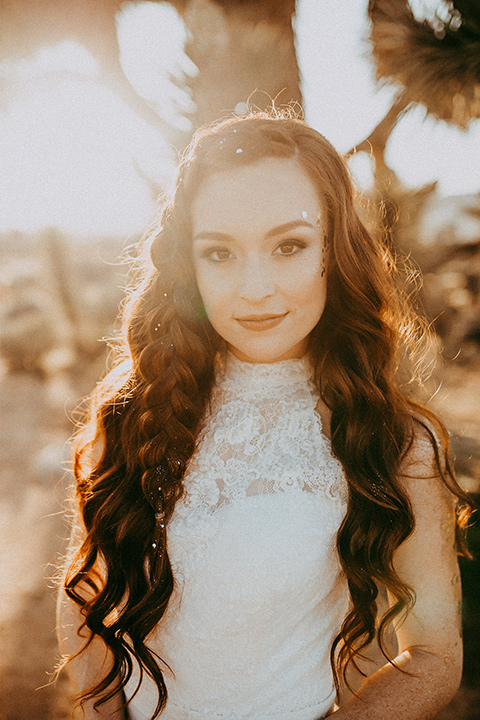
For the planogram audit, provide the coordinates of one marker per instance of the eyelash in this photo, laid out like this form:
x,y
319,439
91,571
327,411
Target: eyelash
x,y
208,254
296,244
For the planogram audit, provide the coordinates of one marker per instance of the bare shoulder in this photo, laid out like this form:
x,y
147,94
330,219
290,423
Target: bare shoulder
x,y
421,477
423,455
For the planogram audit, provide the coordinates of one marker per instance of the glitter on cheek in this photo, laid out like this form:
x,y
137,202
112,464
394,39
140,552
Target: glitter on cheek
x,y
304,214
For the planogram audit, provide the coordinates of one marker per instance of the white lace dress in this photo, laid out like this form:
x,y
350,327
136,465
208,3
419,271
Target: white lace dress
x,y
259,594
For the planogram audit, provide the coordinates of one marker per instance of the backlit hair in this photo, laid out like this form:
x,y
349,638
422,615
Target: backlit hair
x,y
146,413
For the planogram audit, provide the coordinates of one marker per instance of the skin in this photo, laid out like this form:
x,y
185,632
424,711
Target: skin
x,y
429,639
259,256
246,267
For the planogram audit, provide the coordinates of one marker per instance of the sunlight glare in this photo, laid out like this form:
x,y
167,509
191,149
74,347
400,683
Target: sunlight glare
x,y
67,153
422,149
152,39
362,167
436,11
67,57
342,100
72,152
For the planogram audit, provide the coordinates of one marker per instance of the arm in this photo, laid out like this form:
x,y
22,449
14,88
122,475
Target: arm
x,y
429,640
88,668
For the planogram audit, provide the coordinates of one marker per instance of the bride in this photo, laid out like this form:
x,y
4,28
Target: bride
x,y
252,475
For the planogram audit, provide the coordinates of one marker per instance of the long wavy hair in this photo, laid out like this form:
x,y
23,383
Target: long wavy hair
x,y
135,445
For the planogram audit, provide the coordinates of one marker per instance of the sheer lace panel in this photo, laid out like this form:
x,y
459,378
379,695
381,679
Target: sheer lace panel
x,y
262,434
259,593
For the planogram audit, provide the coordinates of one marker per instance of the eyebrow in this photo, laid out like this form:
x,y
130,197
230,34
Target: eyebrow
x,y
279,230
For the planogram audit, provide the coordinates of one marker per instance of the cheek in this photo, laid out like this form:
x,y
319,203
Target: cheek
x,y
212,291
309,295
307,282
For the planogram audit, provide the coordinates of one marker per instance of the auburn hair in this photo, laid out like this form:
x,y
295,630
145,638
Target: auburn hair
x,y
144,416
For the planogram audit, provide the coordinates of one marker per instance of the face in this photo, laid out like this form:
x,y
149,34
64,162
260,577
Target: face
x,y
260,257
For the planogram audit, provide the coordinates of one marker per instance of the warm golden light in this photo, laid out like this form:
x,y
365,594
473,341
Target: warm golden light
x,y
152,38
71,150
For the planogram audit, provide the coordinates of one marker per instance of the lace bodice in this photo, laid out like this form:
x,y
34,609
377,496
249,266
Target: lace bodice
x,y
259,595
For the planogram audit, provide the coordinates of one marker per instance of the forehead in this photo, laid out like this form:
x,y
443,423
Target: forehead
x,y
266,193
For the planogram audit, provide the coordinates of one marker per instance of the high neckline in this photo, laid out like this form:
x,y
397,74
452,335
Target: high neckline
x,y
281,373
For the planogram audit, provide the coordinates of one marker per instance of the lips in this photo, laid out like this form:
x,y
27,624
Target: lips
x,y
260,322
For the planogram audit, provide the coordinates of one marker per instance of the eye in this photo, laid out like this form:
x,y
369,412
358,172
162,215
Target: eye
x,y
217,255
289,247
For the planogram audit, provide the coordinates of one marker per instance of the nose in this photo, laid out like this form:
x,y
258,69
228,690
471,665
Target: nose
x,y
257,282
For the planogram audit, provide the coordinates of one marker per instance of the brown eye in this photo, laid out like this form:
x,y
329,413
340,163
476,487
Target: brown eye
x,y
289,248
218,254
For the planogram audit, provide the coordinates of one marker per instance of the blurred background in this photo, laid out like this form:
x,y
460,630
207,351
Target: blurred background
x,y
96,100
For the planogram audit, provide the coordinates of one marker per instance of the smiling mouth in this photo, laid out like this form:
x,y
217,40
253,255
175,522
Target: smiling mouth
x,y
260,322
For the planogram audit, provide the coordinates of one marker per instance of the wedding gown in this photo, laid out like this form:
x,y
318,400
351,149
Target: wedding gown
x,y
259,593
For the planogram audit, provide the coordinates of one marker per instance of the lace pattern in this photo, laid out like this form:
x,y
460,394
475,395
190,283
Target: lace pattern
x,y
259,593
261,435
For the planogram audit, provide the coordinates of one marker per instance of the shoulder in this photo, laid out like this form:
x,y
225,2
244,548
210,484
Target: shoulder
x,y
425,453
422,476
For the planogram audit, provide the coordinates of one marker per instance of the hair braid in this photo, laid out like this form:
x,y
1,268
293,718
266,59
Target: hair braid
x,y
147,411
157,410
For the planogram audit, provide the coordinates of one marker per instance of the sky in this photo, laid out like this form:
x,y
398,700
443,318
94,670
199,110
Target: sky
x,y
70,149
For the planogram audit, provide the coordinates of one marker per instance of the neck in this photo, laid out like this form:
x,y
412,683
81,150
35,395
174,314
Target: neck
x,y
295,353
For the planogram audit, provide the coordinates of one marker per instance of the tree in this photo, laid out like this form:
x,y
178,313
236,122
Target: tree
x,y
239,46
434,61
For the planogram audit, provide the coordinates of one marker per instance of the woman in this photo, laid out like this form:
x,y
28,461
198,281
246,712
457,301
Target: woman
x,y
252,473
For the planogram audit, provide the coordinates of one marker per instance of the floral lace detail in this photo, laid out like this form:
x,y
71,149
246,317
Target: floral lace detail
x,y
262,434
259,593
